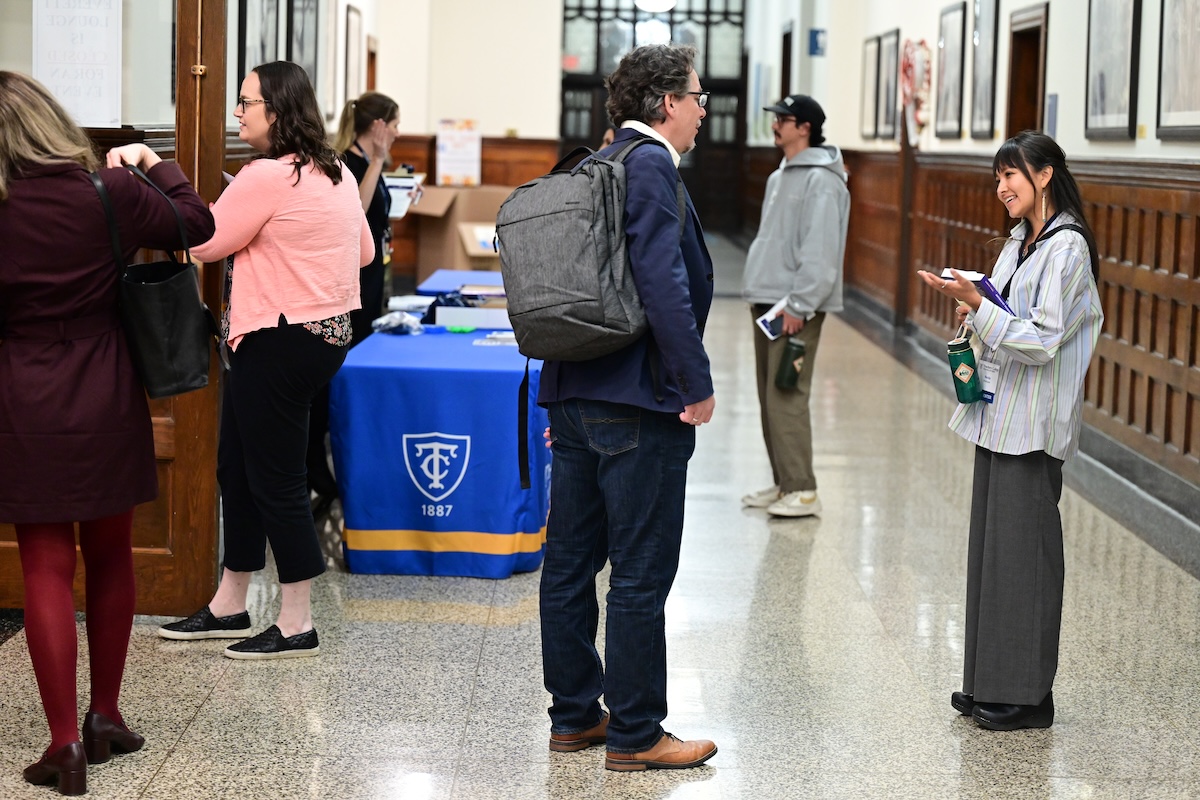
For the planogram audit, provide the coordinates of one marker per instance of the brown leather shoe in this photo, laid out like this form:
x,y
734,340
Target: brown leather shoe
x,y
102,738
570,742
668,753
66,766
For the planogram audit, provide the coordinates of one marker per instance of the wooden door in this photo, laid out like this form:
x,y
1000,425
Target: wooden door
x,y
1027,69
175,537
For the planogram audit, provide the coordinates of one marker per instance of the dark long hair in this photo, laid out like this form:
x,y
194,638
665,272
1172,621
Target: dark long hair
x,y
298,126
1033,151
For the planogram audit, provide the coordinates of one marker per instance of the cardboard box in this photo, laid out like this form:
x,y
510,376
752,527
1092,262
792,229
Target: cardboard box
x,y
439,215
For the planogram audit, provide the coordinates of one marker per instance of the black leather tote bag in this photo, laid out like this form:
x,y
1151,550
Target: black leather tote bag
x,y
169,329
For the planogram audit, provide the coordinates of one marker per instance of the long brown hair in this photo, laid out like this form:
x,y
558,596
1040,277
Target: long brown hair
x,y
358,116
298,127
35,129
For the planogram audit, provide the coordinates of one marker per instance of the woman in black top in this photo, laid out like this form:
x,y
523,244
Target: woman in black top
x,y
365,134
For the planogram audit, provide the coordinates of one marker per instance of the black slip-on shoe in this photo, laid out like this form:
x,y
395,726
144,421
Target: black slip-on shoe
x,y
1006,717
271,643
963,703
203,625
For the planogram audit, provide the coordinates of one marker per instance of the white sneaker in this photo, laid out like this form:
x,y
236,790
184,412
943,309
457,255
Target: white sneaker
x,y
796,504
762,498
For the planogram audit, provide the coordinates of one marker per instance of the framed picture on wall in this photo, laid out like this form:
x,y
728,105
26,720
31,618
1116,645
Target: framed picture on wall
x,y
983,61
1114,28
870,74
258,38
328,48
354,53
889,76
952,31
302,35
1178,89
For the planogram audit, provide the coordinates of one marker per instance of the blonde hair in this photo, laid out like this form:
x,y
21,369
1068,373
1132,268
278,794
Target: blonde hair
x,y
357,116
35,129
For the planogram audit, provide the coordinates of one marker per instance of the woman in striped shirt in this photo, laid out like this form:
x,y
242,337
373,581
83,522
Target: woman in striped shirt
x,y
1033,364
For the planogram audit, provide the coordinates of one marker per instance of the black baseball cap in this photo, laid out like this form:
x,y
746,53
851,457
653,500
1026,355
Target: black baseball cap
x,y
800,106
804,109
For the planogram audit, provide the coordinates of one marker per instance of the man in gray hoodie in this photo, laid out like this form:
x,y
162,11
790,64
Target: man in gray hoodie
x,y
797,255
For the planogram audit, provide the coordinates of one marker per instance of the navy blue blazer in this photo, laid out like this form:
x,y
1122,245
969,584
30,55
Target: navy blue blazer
x,y
674,279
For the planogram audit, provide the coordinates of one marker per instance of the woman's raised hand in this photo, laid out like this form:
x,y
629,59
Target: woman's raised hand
x,y
139,155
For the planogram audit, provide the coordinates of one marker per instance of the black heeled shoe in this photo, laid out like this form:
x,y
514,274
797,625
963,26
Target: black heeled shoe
x,y
102,737
1007,717
67,767
963,703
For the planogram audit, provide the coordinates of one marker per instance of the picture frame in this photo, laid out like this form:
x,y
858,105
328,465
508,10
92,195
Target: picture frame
x,y
983,63
327,45
952,32
870,74
258,34
888,84
1178,90
302,35
1114,32
354,53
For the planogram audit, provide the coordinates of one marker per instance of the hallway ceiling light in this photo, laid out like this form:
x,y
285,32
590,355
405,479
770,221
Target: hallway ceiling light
x,y
654,6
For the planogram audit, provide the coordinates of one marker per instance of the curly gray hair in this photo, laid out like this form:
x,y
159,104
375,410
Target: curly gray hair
x,y
645,76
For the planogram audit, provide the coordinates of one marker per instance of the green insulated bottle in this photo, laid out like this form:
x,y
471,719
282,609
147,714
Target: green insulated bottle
x,y
962,367
790,364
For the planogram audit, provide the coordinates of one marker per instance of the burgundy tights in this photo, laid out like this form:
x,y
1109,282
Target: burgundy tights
x,y
48,564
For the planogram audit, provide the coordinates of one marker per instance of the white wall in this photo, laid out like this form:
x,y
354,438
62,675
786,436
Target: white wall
x,y
499,63
403,67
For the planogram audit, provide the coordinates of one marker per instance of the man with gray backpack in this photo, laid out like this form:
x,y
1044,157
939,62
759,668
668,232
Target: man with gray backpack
x,y
623,427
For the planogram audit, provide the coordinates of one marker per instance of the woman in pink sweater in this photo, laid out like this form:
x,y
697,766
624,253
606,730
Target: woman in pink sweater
x,y
294,223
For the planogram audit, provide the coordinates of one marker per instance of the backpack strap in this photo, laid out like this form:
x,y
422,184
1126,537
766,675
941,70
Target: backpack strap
x,y
1045,235
523,428
621,154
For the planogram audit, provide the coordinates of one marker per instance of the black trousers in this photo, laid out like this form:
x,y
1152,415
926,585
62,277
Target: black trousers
x,y
1015,577
274,375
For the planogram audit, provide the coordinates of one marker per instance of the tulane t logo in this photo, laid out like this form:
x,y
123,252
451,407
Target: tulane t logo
x,y
436,462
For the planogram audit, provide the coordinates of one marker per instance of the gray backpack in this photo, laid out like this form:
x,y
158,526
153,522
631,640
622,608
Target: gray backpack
x,y
561,239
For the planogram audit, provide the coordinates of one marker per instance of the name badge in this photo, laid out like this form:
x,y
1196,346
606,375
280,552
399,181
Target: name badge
x,y
989,376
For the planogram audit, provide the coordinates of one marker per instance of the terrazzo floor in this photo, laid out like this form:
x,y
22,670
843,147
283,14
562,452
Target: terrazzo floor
x,y
819,654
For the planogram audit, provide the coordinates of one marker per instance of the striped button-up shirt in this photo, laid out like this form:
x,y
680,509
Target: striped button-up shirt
x,y
1042,350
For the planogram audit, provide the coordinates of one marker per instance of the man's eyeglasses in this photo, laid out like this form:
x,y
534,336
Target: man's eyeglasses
x,y
701,98
242,102
784,119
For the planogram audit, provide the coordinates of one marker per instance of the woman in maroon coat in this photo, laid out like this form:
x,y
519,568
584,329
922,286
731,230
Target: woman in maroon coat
x,y
75,436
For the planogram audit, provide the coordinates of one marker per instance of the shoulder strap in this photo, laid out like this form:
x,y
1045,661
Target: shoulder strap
x,y
178,217
680,202
113,235
1044,236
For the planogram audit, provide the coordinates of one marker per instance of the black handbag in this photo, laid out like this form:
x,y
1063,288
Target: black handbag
x,y
169,329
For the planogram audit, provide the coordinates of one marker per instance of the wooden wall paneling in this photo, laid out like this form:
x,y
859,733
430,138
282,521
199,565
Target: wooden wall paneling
x,y
872,246
1145,381
511,161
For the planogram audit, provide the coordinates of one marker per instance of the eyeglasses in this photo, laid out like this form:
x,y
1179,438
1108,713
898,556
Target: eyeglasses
x,y
701,98
784,118
242,102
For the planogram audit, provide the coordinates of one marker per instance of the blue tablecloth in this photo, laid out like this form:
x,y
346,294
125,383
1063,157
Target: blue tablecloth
x,y
448,280
424,433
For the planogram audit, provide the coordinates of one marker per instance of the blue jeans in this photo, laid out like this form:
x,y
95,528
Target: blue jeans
x,y
616,494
